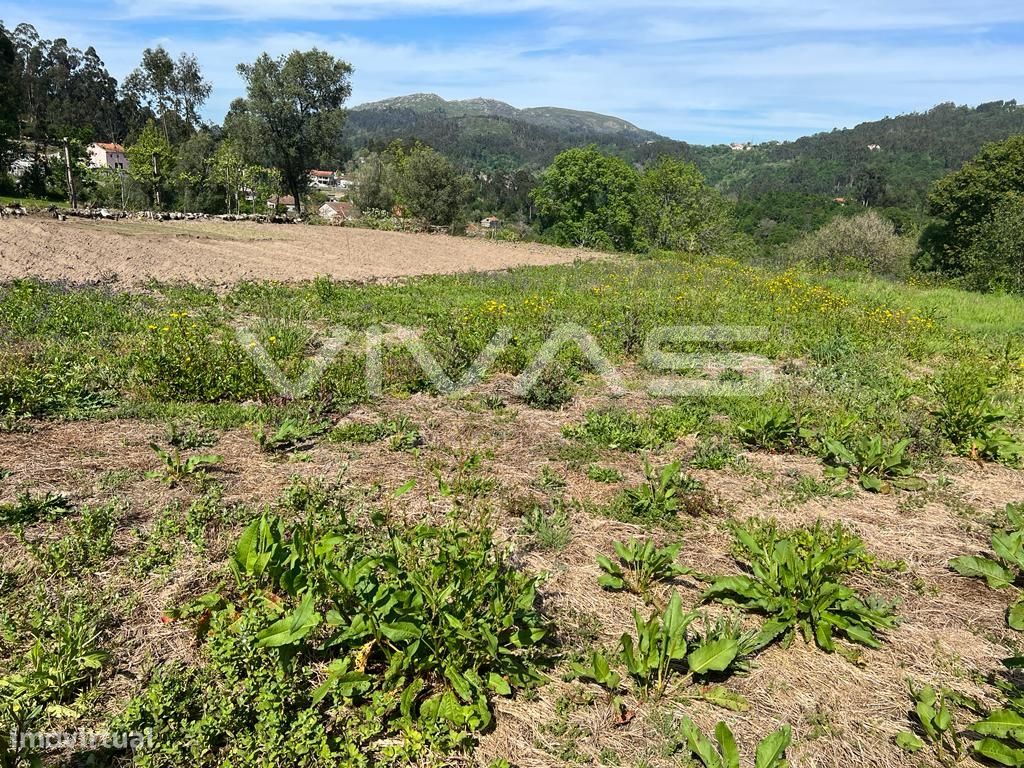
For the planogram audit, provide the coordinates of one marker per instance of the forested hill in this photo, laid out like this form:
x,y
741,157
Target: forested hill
x,y
484,133
910,152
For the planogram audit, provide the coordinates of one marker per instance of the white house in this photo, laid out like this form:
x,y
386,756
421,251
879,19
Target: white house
x,y
21,166
323,179
339,211
107,156
283,201
874,147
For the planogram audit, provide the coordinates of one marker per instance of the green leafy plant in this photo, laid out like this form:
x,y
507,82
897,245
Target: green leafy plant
x,y
878,467
189,438
771,751
1006,568
606,475
638,565
713,453
933,716
402,431
64,657
548,528
664,493
289,435
175,468
772,427
795,578
418,626
1002,730
968,418
30,509
663,646
554,388
87,544
597,669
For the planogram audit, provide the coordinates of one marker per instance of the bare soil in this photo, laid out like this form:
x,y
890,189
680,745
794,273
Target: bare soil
x,y
214,253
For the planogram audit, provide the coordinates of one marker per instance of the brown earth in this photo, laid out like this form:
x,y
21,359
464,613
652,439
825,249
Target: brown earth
x,y
216,253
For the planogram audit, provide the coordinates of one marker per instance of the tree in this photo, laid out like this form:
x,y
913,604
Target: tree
x,y
680,211
173,90
431,188
229,171
995,257
374,184
965,202
10,96
151,162
62,91
294,104
586,198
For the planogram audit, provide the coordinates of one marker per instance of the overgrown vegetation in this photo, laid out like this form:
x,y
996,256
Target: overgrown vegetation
x,y
796,579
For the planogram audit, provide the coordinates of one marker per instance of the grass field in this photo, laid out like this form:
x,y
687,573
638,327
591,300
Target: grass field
x,y
498,577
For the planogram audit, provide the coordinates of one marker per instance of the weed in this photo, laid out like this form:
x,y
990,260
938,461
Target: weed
x,y
713,453
628,432
771,751
1006,569
664,494
969,420
27,509
879,467
664,646
190,438
934,719
639,566
87,545
404,434
290,434
554,388
1002,731
63,659
175,468
412,630
772,427
550,480
809,487
606,475
548,529
796,580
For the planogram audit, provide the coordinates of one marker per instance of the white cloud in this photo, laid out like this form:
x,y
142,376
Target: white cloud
x,y
724,70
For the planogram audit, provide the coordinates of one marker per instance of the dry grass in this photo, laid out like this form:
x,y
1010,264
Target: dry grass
x,y
951,633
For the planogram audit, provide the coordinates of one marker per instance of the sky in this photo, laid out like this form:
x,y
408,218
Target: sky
x,y
705,72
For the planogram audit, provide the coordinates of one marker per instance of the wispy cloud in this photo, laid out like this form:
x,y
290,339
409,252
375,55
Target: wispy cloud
x,y
701,71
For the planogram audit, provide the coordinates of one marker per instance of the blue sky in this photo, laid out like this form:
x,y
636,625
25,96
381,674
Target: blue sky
x,y
715,71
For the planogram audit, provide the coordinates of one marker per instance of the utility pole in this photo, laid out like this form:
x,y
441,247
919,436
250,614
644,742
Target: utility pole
x,y
72,198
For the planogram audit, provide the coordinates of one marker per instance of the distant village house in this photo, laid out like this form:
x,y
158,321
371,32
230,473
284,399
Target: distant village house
x,y
107,156
339,211
282,201
323,179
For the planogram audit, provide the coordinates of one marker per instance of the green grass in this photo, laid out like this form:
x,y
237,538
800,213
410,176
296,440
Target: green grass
x,y
88,352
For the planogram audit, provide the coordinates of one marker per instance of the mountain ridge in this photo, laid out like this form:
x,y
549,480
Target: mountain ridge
x,y
558,118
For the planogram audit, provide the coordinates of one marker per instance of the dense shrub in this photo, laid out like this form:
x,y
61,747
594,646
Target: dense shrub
x,y
866,242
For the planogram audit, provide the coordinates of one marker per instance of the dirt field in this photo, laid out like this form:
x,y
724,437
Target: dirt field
x,y
131,253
